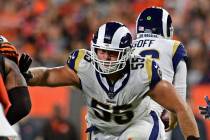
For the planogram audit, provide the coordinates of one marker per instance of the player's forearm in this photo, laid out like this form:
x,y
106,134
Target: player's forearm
x,y
187,123
165,94
39,76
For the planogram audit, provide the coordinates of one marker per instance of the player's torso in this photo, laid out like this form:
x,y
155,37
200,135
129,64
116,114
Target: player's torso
x,y
160,49
113,106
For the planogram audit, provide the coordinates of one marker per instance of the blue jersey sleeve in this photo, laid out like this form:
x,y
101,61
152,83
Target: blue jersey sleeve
x,y
179,54
156,74
153,71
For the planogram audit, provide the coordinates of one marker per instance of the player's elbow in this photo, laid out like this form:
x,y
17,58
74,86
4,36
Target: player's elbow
x,y
23,101
20,104
26,107
18,111
22,109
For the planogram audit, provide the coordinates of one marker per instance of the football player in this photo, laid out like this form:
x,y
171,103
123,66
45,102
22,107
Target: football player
x,y
154,33
115,83
16,86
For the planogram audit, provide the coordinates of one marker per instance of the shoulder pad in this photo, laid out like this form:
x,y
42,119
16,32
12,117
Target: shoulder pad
x,y
153,71
179,53
75,58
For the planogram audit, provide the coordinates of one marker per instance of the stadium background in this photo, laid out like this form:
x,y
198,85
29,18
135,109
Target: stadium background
x,y
49,29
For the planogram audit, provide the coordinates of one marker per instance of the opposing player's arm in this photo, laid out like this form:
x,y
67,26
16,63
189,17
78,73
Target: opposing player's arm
x,y
17,91
13,76
57,76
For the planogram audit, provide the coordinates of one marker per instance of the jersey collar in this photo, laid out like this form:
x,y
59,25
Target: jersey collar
x,y
142,35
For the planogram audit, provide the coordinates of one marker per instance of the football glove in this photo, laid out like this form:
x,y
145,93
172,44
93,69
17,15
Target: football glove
x,y
24,64
205,111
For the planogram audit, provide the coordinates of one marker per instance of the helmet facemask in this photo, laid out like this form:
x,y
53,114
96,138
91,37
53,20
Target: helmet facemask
x,y
110,66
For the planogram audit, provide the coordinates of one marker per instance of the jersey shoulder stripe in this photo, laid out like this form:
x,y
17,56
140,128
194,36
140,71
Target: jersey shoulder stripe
x,y
175,46
153,72
75,58
148,64
179,53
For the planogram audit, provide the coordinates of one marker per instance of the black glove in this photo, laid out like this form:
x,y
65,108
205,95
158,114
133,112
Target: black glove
x,y
205,111
24,64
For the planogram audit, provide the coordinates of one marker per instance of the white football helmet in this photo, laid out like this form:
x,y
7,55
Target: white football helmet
x,y
112,36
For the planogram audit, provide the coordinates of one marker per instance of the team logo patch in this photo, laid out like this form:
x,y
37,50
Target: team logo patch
x,y
149,18
71,57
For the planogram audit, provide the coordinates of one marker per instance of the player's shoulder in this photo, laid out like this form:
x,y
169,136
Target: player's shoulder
x,y
78,57
179,53
173,45
177,46
146,70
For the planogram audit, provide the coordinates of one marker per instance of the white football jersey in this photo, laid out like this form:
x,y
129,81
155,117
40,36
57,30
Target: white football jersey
x,y
112,107
170,52
167,53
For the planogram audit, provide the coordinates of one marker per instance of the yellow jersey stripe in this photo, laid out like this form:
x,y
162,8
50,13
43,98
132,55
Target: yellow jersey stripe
x,y
80,56
148,63
175,46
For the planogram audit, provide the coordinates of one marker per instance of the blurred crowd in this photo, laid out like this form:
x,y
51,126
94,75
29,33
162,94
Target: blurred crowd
x,y
49,29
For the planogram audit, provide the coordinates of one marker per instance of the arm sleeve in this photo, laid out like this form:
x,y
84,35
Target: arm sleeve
x,y
180,79
20,104
179,54
156,75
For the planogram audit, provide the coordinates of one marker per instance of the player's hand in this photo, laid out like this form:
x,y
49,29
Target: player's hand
x,y
205,111
24,64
